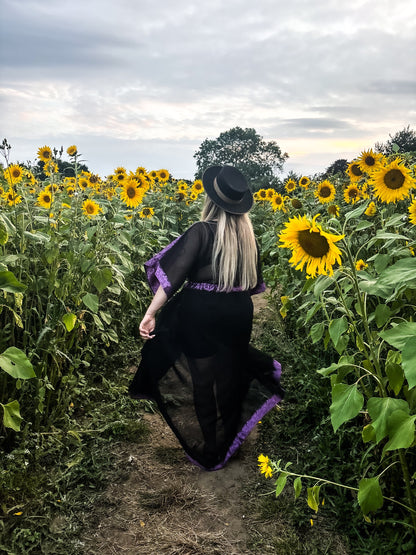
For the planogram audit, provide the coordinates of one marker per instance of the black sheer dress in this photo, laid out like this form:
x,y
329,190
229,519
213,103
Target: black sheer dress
x,y
210,385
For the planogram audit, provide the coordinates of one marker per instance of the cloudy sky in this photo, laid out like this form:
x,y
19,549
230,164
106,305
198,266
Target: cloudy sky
x,y
144,82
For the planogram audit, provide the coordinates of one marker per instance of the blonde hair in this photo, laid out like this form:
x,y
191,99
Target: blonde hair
x,y
234,254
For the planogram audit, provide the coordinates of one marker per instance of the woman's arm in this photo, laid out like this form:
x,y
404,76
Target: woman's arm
x,y
147,325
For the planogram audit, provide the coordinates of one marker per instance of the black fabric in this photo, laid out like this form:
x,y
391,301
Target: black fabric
x,y
205,377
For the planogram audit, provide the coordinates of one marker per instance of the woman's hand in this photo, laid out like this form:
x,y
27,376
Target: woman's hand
x,y
146,326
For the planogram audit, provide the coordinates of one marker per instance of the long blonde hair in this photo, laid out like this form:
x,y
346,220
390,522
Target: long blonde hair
x,y
234,254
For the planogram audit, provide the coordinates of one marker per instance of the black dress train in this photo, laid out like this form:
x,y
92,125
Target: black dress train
x,y
210,385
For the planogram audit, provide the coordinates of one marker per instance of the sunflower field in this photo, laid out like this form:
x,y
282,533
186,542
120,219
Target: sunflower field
x,y
338,257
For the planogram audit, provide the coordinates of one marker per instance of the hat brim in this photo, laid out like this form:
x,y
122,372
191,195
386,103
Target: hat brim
x,y
241,207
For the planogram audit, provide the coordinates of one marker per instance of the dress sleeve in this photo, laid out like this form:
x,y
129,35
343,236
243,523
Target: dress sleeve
x,y
260,286
170,267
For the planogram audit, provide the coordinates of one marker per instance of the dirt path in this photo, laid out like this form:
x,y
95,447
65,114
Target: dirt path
x,y
166,505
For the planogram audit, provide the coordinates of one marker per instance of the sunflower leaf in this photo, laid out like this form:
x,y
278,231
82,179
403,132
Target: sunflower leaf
x,y
347,402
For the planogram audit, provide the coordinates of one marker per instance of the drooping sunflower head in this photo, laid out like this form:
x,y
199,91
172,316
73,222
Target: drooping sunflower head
x,y
45,199
45,153
311,246
131,194
412,212
147,212
352,194
360,265
13,174
354,171
290,185
371,210
368,161
392,182
91,208
333,210
325,192
304,182
296,203
72,150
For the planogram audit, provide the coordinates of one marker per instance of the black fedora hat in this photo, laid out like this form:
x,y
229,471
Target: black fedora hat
x,y
227,187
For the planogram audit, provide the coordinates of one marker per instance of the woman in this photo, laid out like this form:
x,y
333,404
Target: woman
x,y
211,386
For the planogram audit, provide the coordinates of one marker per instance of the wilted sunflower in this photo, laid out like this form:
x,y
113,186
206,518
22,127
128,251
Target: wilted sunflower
x,y
369,161
163,175
333,210
90,208
360,265
147,212
13,174
310,245
412,212
290,185
198,187
131,194
325,192
296,203
304,182
45,199
72,150
352,194
354,171
278,202
392,182
371,210
45,153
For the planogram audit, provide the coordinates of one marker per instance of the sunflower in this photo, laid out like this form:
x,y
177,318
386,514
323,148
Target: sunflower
x,y
147,212
352,194
392,182
278,203
304,182
198,187
371,210
153,174
90,208
140,170
333,210
354,171
193,195
72,150
131,194
360,265
412,212
12,198
265,467
120,169
70,191
45,199
290,185
13,174
181,196
31,179
182,186
270,193
310,245
262,194
325,192
50,167
368,161
120,177
45,154
296,203
163,175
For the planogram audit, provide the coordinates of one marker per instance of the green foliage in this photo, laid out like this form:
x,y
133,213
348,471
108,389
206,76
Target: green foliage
x,y
245,149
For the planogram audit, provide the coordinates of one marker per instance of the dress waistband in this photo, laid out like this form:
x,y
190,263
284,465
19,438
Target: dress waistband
x,y
212,287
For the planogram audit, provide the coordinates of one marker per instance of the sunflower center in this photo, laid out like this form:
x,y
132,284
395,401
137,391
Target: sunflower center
x,y
303,181
47,199
90,209
146,211
355,168
131,192
394,179
352,193
313,243
16,173
296,203
325,192
370,161
278,200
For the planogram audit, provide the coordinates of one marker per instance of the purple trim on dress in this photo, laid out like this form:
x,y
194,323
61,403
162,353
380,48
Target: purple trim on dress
x,y
213,287
154,272
249,425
